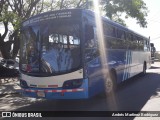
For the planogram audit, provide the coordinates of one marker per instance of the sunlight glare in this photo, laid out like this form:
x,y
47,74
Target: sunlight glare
x,y
111,100
100,33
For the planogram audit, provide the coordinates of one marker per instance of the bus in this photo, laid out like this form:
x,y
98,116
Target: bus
x,y
60,55
153,50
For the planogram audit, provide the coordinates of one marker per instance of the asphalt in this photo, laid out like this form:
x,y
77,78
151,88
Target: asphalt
x,y
9,86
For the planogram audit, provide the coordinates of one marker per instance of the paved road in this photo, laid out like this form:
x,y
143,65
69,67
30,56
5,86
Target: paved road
x,y
137,94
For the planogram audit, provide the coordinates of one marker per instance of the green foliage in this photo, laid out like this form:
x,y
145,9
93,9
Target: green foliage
x,y
10,17
4,14
113,8
131,8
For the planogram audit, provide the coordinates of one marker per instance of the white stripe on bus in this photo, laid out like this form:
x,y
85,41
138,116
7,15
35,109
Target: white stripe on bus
x,y
130,64
126,66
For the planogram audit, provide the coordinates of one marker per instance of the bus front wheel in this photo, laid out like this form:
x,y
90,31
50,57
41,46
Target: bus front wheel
x,y
110,83
144,68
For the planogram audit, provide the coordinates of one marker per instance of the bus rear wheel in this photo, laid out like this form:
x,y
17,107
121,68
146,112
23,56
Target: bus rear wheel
x,y
144,69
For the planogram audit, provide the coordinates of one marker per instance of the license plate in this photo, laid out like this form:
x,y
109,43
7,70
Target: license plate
x,y
40,94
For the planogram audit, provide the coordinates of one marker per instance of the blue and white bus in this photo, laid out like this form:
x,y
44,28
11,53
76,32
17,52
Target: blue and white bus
x,y
60,55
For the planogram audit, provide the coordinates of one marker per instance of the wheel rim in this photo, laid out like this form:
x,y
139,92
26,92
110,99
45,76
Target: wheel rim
x,y
109,85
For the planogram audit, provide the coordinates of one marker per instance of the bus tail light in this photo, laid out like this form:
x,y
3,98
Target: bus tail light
x,y
71,84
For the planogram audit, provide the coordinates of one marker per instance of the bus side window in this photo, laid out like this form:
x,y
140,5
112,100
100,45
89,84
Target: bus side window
x,y
129,36
91,40
140,43
128,40
113,31
89,32
134,45
91,44
121,34
145,45
148,45
110,30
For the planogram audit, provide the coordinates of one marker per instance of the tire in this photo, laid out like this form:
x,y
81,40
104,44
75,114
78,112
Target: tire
x,y
144,69
110,83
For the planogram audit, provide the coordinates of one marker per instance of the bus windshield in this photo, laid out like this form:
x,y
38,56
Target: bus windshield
x,y
52,49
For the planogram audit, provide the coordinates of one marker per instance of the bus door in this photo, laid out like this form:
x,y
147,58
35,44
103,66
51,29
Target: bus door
x,y
92,60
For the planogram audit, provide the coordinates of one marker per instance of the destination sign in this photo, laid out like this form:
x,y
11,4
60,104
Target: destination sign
x,y
49,16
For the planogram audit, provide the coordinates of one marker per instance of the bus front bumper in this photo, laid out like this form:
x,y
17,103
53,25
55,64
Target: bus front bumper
x,y
59,93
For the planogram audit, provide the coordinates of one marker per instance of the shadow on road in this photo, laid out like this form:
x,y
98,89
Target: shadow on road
x,y
132,95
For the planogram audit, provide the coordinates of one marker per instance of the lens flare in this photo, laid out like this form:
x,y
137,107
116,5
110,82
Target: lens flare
x,y
111,100
100,34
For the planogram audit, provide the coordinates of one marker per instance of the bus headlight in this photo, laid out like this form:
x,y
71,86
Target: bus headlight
x,y
23,84
71,84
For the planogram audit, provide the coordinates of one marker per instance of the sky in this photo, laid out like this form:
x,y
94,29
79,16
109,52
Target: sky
x,y
153,26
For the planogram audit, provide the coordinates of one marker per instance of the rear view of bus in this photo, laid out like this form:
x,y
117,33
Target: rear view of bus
x,y
50,63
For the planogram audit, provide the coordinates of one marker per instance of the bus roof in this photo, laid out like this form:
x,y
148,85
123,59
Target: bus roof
x,y
115,24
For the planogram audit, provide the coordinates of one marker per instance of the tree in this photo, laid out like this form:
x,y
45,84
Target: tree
x,y
64,4
130,8
4,19
16,11
113,8
22,9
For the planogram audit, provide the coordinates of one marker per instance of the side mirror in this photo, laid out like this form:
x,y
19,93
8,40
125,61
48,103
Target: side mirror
x,y
89,32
